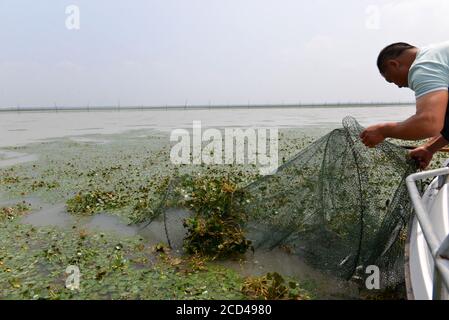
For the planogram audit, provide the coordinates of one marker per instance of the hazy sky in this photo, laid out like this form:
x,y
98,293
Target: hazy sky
x,y
157,52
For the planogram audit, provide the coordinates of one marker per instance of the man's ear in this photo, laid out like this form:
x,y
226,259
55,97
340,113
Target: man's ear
x,y
394,64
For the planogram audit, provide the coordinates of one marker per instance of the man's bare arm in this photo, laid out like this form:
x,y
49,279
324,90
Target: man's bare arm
x,y
427,122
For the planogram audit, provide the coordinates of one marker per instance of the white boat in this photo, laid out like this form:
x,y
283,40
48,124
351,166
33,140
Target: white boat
x,y
427,247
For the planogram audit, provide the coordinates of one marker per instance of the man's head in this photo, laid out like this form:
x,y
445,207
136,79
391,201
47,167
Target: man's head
x,y
394,62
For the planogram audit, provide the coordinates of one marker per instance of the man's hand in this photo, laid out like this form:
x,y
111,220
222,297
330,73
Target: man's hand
x,y
373,135
422,155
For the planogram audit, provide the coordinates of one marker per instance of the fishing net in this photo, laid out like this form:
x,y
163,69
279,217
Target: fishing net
x,y
339,205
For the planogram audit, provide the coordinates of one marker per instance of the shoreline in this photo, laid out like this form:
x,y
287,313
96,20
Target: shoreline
x,y
204,107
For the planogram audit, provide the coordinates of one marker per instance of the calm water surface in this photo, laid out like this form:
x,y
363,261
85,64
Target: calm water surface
x,y
19,128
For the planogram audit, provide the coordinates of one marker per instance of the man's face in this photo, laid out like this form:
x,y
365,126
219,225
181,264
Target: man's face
x,y
395,72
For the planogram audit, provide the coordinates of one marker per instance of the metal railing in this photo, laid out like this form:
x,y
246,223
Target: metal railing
x,y
439,248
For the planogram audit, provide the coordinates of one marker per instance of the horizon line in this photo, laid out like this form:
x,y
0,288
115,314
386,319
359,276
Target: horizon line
x,y
200,106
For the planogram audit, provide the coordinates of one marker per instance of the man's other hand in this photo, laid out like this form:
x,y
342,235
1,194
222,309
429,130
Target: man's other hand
x,y
372,135
421,155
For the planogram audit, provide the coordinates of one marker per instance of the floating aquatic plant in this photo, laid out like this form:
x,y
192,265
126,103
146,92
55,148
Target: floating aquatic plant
x,y
215,229
11,213
87,203
273,286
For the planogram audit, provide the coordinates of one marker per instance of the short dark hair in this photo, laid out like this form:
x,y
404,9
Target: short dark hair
x,y
392,51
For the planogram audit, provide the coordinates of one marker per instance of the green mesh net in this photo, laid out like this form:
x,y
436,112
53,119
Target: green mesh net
x,y
339,205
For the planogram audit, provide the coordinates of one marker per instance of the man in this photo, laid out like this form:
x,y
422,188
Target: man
x,y
425,71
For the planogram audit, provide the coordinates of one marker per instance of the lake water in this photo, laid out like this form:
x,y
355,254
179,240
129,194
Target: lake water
x,y
20,128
